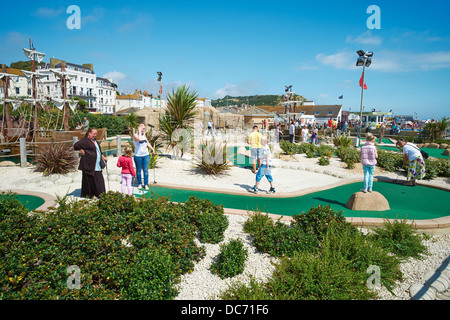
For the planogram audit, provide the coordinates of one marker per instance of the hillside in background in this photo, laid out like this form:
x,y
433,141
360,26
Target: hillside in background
x,y
23,65
256,100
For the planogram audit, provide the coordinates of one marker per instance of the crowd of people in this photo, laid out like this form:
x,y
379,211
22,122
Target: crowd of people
x,y
92,163
92,160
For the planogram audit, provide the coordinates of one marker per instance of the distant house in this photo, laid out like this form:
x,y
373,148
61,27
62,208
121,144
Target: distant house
x,y
256,116
129,101
16,89
321,113
106,95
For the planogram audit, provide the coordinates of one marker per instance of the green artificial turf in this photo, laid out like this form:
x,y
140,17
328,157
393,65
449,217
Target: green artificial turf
x,y
437,153
405,202
30,202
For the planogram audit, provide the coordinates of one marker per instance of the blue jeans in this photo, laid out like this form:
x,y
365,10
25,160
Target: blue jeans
x,y
264,170
368,177
142,164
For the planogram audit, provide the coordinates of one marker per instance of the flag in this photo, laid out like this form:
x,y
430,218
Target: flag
x,y
361,81
160,89
341,97
31,44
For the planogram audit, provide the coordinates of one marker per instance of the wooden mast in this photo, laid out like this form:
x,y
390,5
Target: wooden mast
x,y
64,96
7,104
34,93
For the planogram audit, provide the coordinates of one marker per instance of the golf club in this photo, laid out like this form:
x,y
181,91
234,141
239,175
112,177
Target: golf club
x,y
107,174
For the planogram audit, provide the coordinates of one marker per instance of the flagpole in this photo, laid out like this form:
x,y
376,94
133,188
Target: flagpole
x,y
361,107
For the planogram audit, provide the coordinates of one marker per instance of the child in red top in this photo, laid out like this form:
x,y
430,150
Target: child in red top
x,y
126,163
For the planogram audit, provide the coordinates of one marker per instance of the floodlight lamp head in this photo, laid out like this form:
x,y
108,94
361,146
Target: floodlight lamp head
x,y
360,62
369,54
159,75
368,62
360,53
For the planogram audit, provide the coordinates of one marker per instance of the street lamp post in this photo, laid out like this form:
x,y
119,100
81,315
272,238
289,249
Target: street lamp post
x,y
364,60
160,91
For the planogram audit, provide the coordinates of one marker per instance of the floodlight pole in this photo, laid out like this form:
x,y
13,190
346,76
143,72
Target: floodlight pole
x,y
361,106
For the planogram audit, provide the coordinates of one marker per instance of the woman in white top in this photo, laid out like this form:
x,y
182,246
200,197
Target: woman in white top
x,y
305,133
412,157
141,155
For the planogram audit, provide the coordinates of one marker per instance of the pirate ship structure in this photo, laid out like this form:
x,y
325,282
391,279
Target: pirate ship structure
x,y
40,117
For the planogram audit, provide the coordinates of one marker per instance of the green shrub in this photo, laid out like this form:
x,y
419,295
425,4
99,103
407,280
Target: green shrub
x,y
436,168
306,148
208,217
288,147
212,158
154,159
400,238
325,150
231,260
115,124
443,167
345,242
212,224
317,220
254,290
277,238
389,161
151,275
56,158
310,154
305,276
349,155
342,141
109,245
431,169
324,161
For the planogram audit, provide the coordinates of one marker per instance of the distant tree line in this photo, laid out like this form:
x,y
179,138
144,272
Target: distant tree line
x,y
257,100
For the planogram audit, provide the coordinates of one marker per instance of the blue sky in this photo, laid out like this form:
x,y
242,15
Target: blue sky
x,y
251,47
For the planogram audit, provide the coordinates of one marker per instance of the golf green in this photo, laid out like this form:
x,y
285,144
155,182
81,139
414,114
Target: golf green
x,y
417,202
30,202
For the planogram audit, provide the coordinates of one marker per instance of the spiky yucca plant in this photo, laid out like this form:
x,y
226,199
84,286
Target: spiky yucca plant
x,y
56,158
180,106
213,157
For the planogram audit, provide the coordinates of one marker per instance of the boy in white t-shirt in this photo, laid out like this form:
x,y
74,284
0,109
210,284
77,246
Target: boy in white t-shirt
x,y
265,169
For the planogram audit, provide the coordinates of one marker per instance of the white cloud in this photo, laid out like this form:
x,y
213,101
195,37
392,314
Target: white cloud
x,y
345,84
393,61
235,90
341,60
365,38
139,22
48,12
115,75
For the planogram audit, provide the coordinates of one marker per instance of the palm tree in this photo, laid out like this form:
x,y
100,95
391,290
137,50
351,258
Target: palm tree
x,y
435,130
132,120
179,113
442,127
180,106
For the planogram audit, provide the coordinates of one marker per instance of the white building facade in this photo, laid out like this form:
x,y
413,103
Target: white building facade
x,y
106,95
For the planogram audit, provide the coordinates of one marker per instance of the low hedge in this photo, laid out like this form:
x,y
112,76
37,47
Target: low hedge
x,y
125,248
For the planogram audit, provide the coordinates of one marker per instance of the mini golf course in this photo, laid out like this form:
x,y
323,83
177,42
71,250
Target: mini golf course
x,y
416,203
